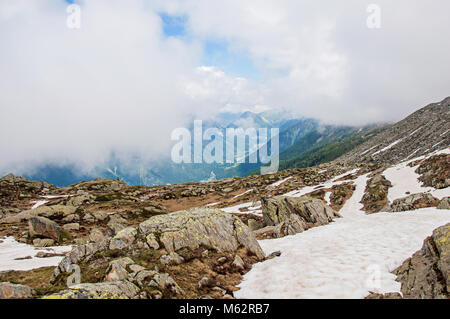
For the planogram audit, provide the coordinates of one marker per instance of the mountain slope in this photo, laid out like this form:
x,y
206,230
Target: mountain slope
x,y
424,131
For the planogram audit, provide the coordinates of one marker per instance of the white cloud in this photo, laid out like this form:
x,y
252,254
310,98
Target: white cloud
x,y
118,85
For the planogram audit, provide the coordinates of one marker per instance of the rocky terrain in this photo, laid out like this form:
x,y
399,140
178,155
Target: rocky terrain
x,y
424,131
322,225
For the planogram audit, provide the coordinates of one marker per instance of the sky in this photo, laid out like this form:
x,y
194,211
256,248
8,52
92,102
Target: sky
x,y
136,69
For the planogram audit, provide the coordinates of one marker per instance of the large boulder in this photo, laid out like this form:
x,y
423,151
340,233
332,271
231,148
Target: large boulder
x,y
52,212
102,290
290,215
204,239
426,274
414,201
444,203
15,291
209,227
44,227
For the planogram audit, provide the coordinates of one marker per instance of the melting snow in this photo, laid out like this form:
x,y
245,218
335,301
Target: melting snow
x,y
388,147
344,259
280,182
39,203
404,179
10,249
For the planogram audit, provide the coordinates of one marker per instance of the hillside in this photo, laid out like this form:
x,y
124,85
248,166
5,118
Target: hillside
x,y
329,227
422,132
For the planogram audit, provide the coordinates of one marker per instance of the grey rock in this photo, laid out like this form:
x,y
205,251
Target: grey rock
x,y
44,227
15,291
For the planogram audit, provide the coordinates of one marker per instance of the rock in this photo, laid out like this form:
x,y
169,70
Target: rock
x,y
435,171
88,218
204,226
80,199
15,291
44,227
171,259
116,223
254,224
414,201
55,211
123,239
47,242
79,241
100,216
136,268
71,218
96,235
165,282
444,203
375,196
426,275
277,209
222,260
291,215
274,254
151,241
390,295
155,209
118,270
205,282
238,263
71,227
103,290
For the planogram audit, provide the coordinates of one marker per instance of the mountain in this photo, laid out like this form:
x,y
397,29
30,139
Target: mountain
x,y
422,132
188,239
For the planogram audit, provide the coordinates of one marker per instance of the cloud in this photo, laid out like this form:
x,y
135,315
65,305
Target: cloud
x,y
320,59
120,85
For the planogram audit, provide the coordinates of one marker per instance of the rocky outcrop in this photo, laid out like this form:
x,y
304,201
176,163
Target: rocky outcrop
x,y
150,260
290,215
435,171
426,275
15,291
43,227
52,212
444,203
414,201
422,132
103,290
207,227
375,195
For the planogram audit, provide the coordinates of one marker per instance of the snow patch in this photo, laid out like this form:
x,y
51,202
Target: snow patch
x,y
10,249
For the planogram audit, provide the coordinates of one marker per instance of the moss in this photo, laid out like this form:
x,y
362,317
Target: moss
x,y
65,237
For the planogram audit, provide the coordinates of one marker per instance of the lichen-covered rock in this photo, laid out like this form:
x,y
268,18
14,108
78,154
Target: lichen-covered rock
x,y
55,211
197,227
375,197
80,199
96,235
118,270
43,242
43,227
14,291
444,203
103,290
435,171
71,227
124,238
414,201
291,215
171,259
426,275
